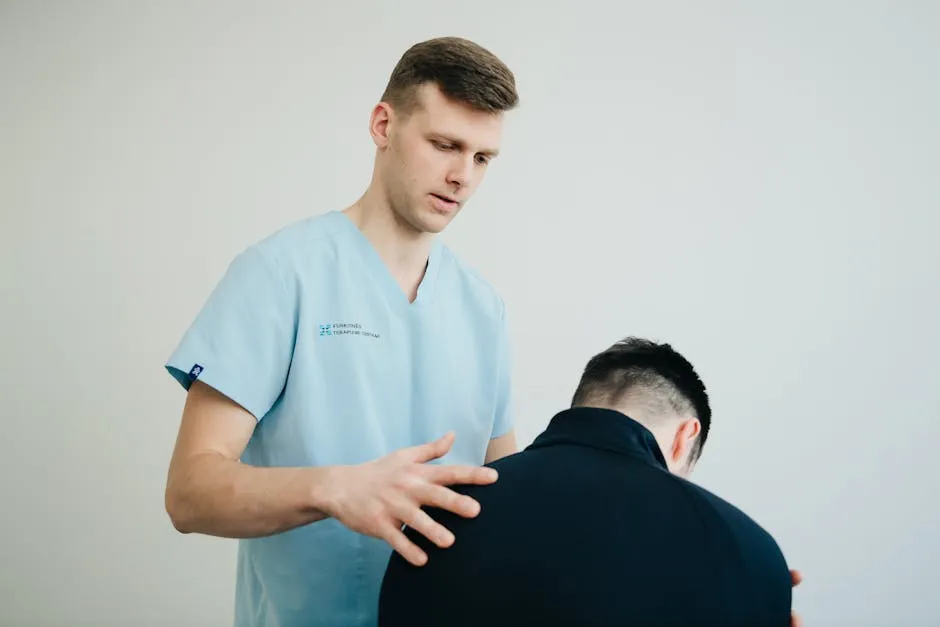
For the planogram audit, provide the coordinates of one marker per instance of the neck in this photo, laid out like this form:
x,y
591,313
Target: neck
x,y
403,248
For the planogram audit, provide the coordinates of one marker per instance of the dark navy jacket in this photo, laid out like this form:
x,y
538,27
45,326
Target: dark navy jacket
x,y
586,527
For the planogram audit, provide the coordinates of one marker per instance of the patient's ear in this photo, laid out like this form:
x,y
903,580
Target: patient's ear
x,y
684,439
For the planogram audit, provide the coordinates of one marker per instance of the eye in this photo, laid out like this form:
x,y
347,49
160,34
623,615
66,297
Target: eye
x,y
482,159
442,145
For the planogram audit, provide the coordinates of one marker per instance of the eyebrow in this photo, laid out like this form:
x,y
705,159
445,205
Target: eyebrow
x,y
462,145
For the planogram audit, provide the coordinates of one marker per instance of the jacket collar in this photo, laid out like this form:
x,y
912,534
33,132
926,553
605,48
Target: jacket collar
x,y
605,429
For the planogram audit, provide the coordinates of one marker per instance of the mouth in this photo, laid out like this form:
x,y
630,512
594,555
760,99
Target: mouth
x,y
445,202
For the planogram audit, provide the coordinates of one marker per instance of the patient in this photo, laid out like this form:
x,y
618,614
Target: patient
x,y
595,523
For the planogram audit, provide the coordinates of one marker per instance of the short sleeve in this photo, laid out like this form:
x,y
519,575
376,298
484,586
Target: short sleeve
x,y
241,341
505,418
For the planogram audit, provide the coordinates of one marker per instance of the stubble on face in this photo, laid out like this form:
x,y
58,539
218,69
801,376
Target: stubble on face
x,y
424,150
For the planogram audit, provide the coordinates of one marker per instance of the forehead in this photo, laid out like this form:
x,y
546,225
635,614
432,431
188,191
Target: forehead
x,y
438,115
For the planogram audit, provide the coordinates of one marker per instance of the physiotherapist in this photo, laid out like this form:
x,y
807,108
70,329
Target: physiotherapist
x,y
348,368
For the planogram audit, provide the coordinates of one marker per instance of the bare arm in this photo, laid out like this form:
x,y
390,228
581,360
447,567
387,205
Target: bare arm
x,y
501,447
210,491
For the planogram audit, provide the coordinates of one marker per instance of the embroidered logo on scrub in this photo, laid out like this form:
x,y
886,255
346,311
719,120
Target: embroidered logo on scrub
x,y
345,328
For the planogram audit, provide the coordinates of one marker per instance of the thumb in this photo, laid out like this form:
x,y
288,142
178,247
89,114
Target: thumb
x,y
433,450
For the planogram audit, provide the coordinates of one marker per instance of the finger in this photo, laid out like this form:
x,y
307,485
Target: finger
x,y
430,450
462,475
447,499
403,546
795,620
796,577
421,521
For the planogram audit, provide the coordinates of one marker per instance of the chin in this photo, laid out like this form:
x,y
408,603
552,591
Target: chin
x,y
431,221
438,223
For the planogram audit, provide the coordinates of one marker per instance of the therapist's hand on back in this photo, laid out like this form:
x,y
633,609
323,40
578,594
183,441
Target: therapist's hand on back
x,y
377,498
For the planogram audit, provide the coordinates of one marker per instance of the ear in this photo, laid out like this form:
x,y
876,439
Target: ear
x,y
379,123
685,437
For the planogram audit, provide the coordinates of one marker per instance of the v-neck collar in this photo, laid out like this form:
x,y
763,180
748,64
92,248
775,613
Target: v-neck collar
x,y
380,272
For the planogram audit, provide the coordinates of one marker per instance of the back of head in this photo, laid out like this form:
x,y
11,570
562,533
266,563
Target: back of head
x,y
463,70
654,385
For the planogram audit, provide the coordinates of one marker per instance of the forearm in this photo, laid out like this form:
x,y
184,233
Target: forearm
x,y
212,495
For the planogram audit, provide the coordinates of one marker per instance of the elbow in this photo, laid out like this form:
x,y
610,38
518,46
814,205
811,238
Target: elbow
x,y
175,504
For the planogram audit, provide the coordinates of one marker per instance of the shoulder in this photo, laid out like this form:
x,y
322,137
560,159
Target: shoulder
x,y
739,523
317,233
472,285
307,244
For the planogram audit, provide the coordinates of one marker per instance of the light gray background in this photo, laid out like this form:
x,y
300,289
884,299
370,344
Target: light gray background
x,y
755,182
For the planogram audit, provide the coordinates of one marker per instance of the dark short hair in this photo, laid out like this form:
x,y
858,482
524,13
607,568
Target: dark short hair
x,y
636,365
463,70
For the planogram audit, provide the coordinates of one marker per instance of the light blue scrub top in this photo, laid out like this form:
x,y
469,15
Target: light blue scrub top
x,y
309,332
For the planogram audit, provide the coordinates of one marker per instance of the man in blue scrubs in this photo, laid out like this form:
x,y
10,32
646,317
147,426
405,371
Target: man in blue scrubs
x,y
348,368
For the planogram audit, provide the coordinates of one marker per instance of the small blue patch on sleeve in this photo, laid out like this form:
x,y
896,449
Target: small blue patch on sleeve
x,y
195,372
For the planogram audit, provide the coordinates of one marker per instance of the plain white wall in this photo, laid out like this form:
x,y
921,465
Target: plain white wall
x,y
756,183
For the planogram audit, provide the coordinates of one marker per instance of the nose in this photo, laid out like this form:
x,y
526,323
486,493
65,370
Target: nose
x,y
460,171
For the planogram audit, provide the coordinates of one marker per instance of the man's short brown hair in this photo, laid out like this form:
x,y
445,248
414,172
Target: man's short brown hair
x,y
463,70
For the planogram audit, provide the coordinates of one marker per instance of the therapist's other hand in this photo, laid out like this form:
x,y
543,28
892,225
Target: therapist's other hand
x,y
377,498
795,577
